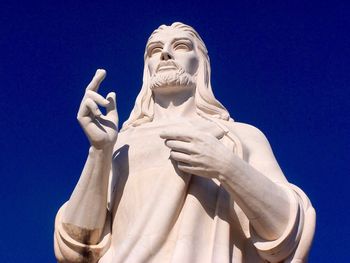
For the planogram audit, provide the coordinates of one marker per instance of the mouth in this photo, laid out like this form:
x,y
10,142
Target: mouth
x,y
166,65
164,68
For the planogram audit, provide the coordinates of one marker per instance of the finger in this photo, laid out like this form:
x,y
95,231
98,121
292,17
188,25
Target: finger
x,y
111,110
181,157
99,99
180,146
190,169
185,167
175,134
112,102
96,80
182,164
89,107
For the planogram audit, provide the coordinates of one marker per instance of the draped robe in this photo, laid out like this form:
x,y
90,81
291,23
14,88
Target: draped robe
x,y
160,214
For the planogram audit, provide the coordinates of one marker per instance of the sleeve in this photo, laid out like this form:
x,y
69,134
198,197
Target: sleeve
x,y
68,250
294,244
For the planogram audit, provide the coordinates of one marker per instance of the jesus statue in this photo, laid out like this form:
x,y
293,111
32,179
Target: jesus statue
x,y
181,181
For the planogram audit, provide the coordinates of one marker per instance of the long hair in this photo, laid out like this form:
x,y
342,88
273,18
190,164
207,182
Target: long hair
x,y
206,103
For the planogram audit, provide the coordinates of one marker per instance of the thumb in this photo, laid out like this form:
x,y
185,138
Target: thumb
x,y
112,106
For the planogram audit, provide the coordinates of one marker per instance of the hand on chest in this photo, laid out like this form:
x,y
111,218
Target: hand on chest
x,y
193,146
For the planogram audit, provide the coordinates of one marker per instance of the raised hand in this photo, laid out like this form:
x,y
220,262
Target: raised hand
x,y
101,130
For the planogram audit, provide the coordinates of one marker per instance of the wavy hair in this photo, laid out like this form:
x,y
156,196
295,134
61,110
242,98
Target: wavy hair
x,y
206,103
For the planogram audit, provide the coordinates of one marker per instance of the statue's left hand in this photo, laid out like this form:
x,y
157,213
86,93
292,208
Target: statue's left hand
x,y
199,153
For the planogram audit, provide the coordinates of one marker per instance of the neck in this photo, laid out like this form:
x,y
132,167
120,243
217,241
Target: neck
x,y
174,104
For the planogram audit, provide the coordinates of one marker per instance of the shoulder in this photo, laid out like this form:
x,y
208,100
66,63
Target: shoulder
x,y
255,145
257,149
248,134
247,129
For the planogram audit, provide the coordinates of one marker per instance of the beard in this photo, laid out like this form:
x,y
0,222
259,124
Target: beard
x,y
173,78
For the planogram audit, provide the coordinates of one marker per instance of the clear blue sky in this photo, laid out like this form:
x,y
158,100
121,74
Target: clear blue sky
x,y
282,66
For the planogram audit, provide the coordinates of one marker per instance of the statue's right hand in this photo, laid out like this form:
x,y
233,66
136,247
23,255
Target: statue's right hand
x,y
101,130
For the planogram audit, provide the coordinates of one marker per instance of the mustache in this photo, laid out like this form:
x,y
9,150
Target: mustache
x,y
172,78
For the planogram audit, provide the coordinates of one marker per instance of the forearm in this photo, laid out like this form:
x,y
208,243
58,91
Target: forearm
x,y
85,214
266,204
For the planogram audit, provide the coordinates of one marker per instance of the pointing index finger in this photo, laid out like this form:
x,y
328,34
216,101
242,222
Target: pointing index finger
x,y
96,80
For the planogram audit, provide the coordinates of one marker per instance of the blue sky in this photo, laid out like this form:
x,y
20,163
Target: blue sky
x,y
282,66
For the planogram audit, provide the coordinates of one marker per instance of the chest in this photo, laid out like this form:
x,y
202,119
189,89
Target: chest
x,y
143,148
140,149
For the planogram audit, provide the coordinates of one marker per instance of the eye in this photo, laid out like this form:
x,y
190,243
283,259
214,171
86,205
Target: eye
x,y
182,46
154,50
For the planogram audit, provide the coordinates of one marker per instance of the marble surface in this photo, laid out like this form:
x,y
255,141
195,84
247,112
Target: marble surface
x,y
181,181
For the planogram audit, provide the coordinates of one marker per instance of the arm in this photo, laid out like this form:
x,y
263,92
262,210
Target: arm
x,y
259,186
85,213
265,202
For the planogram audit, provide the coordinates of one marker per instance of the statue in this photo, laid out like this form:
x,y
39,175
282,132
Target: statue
x,y
181,181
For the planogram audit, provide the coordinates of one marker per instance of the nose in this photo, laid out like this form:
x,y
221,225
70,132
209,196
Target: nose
x,y
165,55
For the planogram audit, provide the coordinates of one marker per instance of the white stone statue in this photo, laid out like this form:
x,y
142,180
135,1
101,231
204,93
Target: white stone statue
x,y
181,182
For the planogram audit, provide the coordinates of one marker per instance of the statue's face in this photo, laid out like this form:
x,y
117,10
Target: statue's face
x,y
172,57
